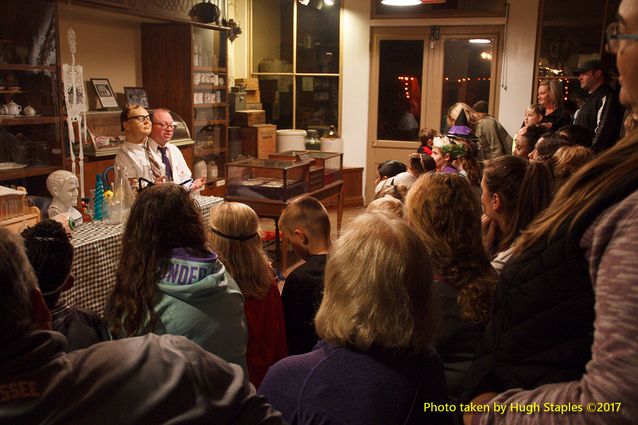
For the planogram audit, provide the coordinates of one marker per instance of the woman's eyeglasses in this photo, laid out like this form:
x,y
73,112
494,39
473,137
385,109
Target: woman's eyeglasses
x,y
614,36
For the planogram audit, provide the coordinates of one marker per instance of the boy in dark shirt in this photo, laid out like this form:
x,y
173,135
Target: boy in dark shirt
x,y
306,224
51,254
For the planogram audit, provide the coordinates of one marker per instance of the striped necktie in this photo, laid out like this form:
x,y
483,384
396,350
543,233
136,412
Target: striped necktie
x,y
155,167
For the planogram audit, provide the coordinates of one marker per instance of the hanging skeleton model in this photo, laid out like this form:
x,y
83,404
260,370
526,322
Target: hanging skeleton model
x,y
75,101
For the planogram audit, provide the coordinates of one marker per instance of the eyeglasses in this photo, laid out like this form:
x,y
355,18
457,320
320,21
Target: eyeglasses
x,y
140,118
614,36
164,125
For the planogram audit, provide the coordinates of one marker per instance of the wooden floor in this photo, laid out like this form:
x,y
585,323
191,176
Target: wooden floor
x,y
293,260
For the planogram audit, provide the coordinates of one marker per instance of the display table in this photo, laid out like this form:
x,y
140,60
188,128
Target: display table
x,y
96,248
273,208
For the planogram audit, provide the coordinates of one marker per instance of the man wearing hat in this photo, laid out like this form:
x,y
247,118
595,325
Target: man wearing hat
x,y
601,113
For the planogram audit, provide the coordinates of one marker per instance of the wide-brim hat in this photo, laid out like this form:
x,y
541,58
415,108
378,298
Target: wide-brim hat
x,y
461,128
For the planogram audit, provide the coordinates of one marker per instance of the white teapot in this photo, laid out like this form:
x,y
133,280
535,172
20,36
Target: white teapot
x,y
29,111
11,108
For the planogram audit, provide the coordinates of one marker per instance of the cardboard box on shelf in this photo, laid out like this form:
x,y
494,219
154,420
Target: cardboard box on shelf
x,y
255,106
249,117
259,140
251,83
253,96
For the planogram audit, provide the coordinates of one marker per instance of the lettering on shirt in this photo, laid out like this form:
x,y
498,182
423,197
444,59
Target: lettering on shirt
x,y
18,389
184,274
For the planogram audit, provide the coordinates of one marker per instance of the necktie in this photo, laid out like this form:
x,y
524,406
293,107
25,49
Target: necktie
x,y
155,168
167,163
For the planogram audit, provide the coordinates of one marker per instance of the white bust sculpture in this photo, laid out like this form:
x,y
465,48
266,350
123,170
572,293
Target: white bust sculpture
x,y
63,186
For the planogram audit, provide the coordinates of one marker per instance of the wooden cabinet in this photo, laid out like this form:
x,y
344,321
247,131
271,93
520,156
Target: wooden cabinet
x,y
30,124
184,68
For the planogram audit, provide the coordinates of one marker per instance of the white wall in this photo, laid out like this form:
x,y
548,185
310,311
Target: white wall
x,y
518,63
355,82
106,48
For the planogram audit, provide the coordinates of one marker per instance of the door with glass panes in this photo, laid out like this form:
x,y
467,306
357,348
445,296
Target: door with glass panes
x,y
416,75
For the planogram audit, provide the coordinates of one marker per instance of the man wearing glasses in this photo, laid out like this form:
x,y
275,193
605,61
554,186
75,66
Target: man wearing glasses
x,y
134,152
601,113
166,153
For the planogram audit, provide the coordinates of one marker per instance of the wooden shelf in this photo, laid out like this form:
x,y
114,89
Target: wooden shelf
x,y
12,121
25,67
208,87
209,151
12,91
209,69
19,173
201,123
210,105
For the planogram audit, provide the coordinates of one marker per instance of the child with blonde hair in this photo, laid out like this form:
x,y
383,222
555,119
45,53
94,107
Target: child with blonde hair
x,y
386,204
235,239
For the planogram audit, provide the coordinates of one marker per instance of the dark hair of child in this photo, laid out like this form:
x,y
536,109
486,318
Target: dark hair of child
x,y
51,254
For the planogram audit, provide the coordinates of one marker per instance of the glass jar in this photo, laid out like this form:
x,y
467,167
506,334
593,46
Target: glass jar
x,y
313,143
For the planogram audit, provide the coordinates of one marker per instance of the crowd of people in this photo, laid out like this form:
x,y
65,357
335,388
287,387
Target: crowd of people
x,y
489,271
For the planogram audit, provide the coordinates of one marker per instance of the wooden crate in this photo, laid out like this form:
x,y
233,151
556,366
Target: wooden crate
x,y
259,140
249,117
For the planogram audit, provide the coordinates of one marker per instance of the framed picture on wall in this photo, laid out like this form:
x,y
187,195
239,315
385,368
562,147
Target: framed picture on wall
x,y
136,96
104,92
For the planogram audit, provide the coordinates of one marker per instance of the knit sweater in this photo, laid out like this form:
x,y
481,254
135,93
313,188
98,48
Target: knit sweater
x,y
610,249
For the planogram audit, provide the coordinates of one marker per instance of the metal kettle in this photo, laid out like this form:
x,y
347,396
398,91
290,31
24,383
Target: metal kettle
x,y
205,12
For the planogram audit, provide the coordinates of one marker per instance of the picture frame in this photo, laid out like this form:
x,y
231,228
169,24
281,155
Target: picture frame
x,y
104,92
136,96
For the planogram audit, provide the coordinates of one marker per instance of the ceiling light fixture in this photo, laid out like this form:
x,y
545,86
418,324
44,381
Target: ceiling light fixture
x,y
401,2
329,2
480,41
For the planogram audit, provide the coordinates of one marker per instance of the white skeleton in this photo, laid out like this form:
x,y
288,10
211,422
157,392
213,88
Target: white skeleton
x,y
75,101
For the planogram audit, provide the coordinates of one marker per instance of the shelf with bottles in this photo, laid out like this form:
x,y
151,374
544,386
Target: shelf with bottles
x,y
26,120
210,105
215,69
26,67
24,172
208,87
204,151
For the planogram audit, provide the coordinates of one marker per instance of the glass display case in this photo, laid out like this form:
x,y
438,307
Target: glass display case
x,y
30,123
325,167
267,179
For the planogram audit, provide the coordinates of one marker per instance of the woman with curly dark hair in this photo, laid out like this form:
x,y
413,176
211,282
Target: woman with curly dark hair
x,y
445,213
169,281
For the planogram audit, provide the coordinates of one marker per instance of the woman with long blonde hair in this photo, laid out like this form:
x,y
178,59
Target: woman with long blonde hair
x,y
235,238
446,215
550,97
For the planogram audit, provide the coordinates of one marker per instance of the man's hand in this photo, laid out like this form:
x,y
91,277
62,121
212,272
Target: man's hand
x,y
198,184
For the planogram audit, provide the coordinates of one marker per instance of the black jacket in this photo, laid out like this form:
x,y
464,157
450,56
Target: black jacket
x,y
541,329
604,133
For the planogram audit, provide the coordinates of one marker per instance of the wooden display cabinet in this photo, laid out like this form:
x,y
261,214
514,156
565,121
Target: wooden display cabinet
x,y
30,141
184,68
